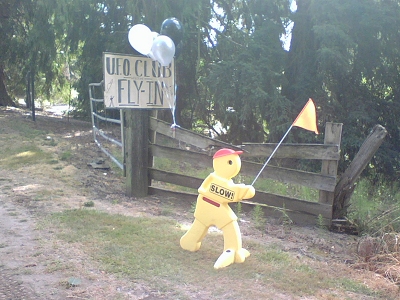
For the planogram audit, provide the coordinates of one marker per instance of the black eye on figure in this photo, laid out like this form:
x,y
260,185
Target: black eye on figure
x,y
230,162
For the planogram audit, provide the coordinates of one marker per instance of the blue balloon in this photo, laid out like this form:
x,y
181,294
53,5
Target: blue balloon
x,y
172,28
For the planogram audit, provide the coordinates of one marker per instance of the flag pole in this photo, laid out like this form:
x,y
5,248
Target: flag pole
x,y
273,152
303,119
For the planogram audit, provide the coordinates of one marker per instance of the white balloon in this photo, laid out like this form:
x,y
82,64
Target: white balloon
x,y
163,50
141,38
154,34
151,55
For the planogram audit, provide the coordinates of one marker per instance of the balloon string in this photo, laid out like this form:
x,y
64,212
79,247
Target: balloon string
x,y
173,109
172,106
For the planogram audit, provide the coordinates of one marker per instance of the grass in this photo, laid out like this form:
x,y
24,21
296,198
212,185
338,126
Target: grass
x,y
66,155
20,147
147,249
24,130
48,194
375,208
285,189
116,151
259,218
14,157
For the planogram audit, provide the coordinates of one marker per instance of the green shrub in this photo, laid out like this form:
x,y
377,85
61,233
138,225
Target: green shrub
x,y
375,208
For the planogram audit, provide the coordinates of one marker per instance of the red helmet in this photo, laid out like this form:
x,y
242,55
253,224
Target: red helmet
x,y
225,151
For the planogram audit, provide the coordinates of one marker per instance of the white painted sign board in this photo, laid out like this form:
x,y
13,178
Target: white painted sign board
x,y
137,82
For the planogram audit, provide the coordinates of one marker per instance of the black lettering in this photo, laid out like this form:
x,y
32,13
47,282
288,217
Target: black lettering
x,y
126,67
150,84
158,93
137,68
167,71
146,69
156,69
110,65
138,88
212,188
118,66
129,91
120,89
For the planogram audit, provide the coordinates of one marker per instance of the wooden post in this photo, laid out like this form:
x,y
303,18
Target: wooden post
x,y
345,186
153,135
136,152
152,140
122,118
33,96
333,135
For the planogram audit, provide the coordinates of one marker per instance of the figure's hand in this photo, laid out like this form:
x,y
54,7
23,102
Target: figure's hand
x,y
250,192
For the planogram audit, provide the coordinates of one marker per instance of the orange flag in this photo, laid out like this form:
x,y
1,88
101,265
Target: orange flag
x,y
307,118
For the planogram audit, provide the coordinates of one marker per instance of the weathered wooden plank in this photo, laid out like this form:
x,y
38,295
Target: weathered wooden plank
x,y
333,135
174,178
299,151
346,184
179,155
172,194
188,136
312,180
289,203
312,208
298,217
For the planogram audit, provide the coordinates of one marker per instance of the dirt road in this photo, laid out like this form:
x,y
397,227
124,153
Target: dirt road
x,y
22,260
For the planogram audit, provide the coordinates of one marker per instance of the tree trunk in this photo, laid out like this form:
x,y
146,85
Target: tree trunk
x,y
5,99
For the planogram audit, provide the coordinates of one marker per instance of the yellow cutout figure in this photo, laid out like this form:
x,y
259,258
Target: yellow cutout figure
x,y
215,193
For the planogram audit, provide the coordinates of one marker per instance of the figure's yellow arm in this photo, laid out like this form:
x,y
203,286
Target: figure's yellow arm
x,y
243,191
203,189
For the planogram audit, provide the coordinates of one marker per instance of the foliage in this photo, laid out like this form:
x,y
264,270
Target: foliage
x,y
375,208
345,55
259,218
232,72
245,77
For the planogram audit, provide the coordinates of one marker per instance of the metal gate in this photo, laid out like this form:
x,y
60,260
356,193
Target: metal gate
x,y
105,133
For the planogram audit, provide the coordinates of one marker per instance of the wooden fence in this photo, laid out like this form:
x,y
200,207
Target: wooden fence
x,y
139,142
298,210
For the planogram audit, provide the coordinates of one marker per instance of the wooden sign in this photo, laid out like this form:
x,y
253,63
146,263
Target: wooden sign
x,y
137,82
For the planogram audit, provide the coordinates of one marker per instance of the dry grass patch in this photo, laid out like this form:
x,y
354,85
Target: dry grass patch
x,y
146,249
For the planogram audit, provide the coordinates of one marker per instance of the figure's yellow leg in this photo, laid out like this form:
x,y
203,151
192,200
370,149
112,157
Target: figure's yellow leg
x,y
232,236
233,251
191,240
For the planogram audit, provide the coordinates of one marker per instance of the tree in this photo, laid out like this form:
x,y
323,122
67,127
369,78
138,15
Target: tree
x,y
345,55
29,36
7,17
102,26
232,71
246,73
